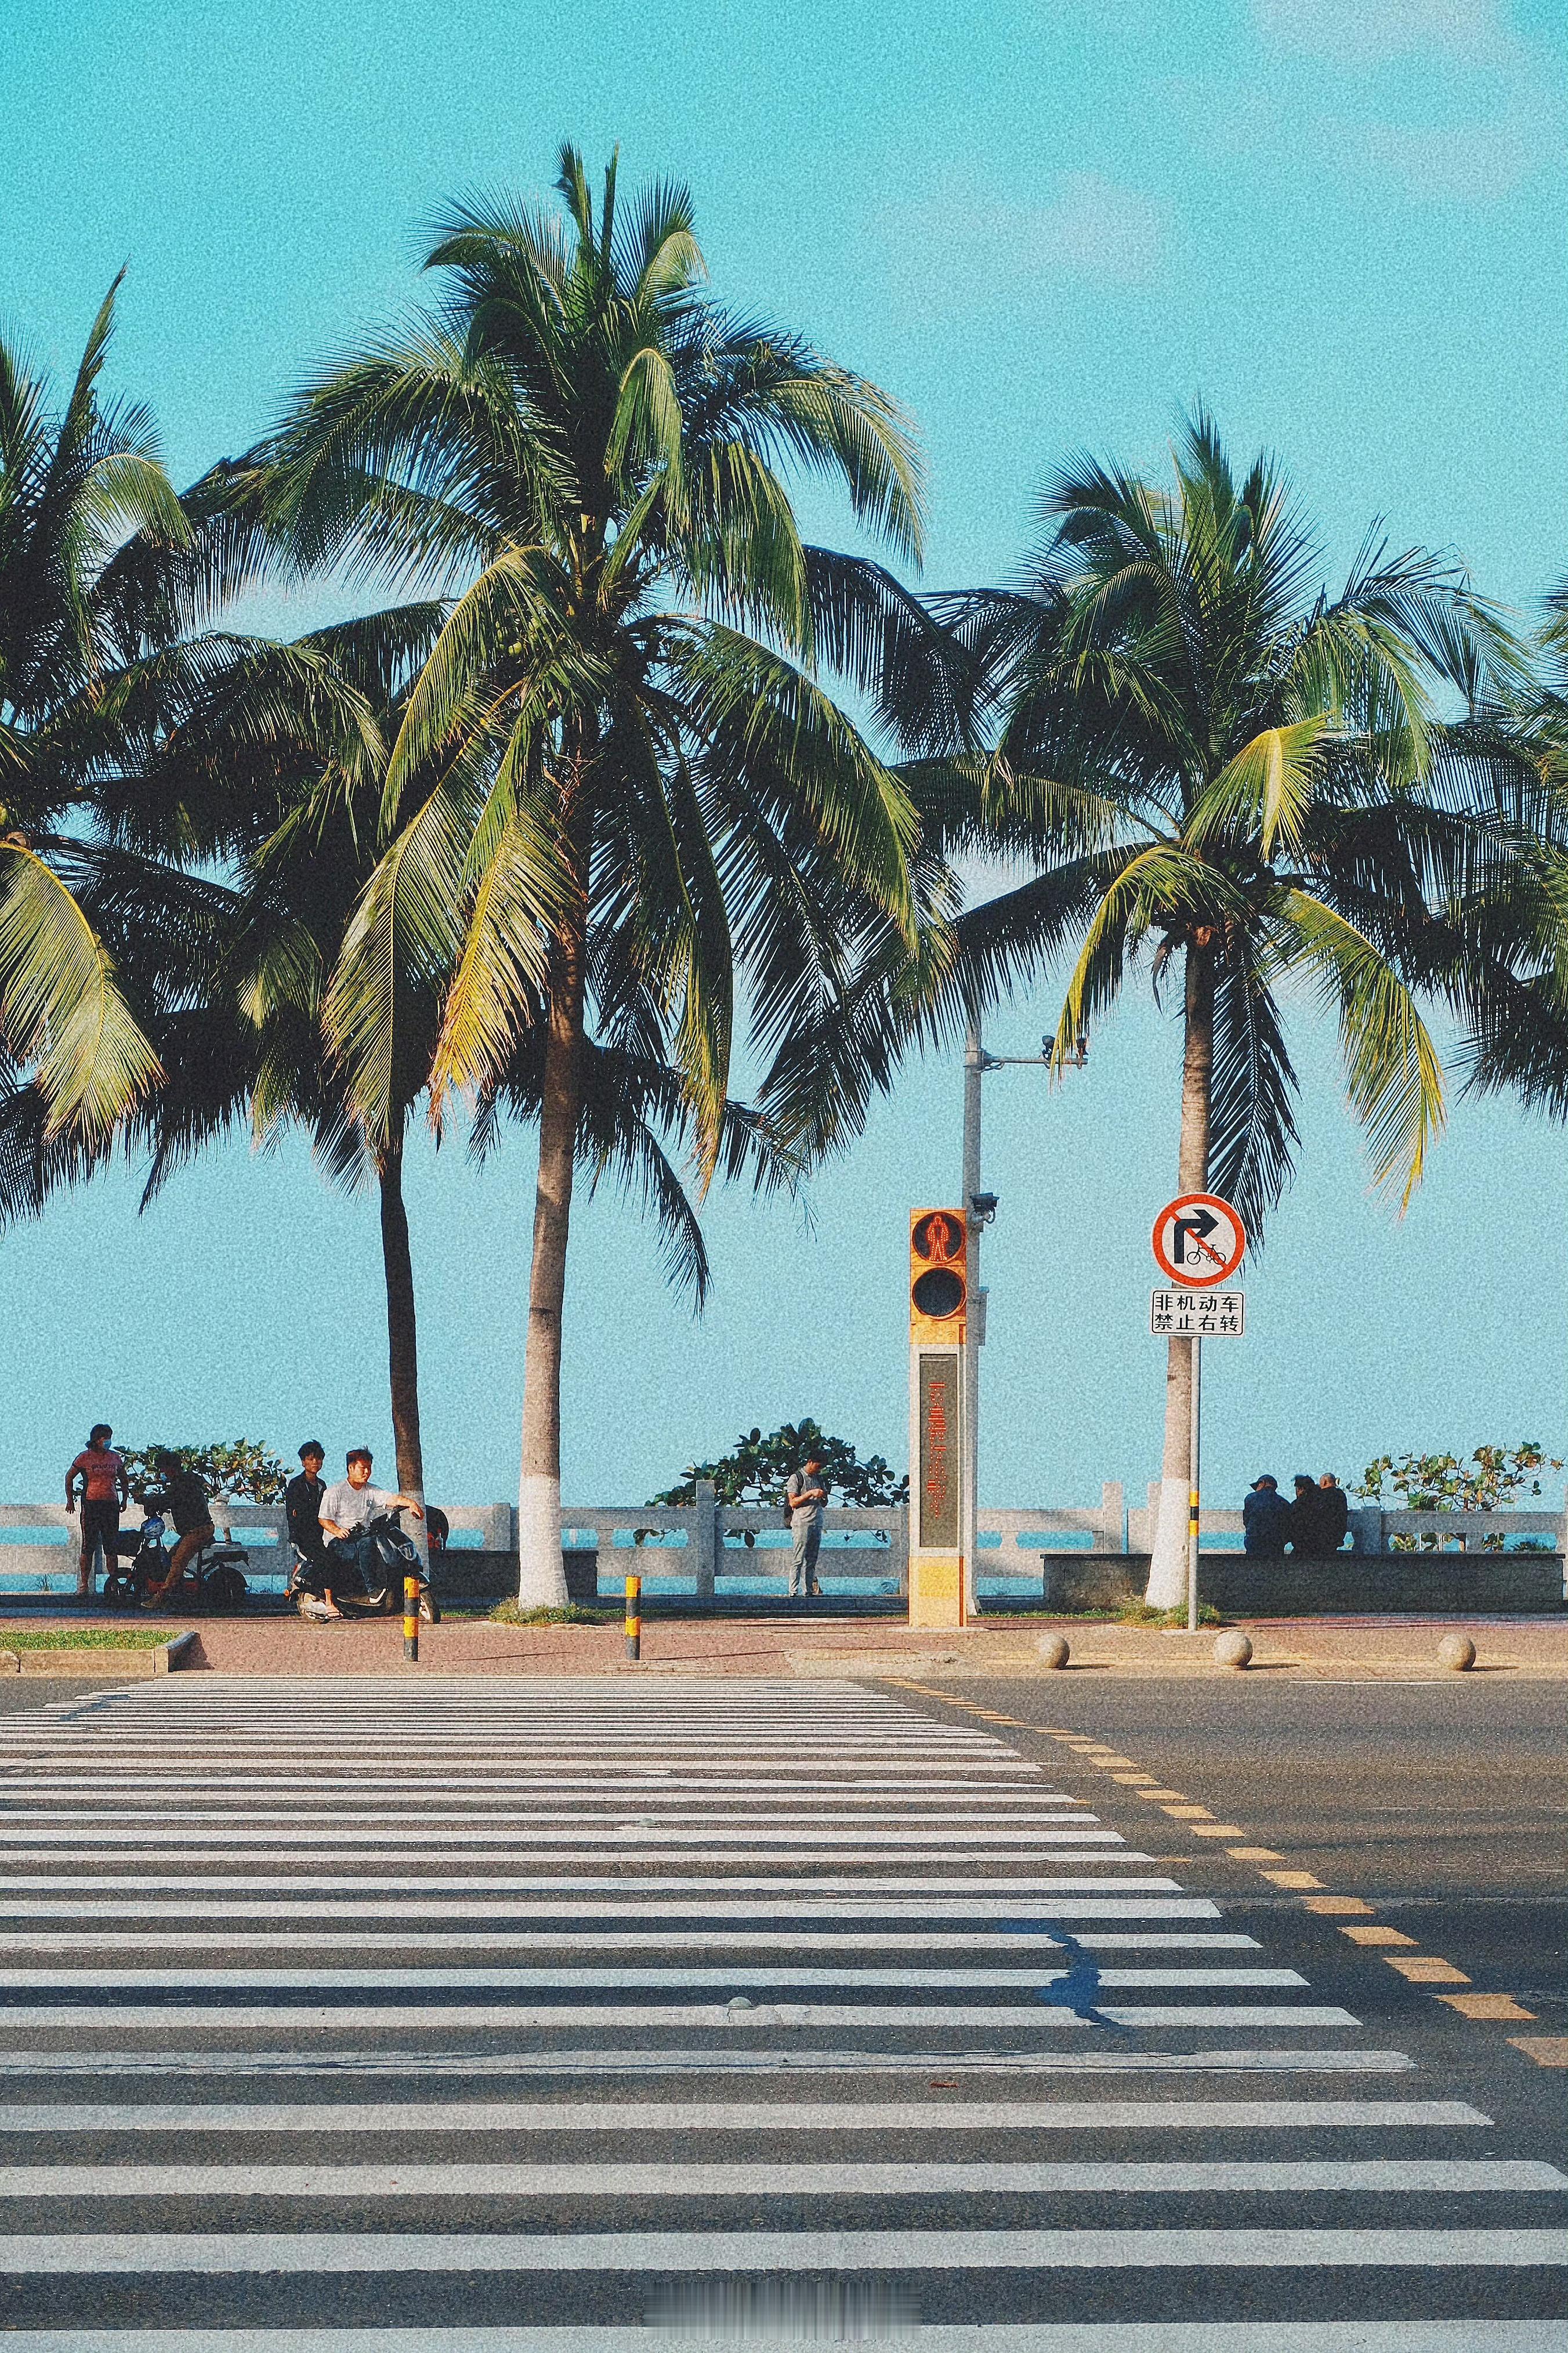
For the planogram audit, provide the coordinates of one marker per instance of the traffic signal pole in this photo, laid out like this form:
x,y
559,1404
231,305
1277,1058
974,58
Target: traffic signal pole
x,y
939,1302
969,1502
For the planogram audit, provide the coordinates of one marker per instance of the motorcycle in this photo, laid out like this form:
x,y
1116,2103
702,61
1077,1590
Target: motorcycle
x,y
386,1557
214,1578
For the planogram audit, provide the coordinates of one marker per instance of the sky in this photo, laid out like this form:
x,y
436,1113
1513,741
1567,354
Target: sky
x,y
1045,228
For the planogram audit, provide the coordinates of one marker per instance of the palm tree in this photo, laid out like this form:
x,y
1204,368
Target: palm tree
x,y
1226,777
621,802
278,779
1517,1024
92,540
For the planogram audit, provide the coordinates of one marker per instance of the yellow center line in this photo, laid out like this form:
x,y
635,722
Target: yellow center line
x,y
1546,2050
1485,2005
1425,1968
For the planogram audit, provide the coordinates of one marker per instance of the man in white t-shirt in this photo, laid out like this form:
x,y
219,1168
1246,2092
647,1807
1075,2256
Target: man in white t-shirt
x,y
349,1507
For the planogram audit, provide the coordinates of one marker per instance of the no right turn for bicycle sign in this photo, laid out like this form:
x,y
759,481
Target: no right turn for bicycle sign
x,y
1198,1239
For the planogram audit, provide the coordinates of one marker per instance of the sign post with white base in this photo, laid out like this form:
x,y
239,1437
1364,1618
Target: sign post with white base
x,y
1199,1242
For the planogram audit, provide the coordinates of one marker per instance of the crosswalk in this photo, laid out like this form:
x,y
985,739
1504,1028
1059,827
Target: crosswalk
x,y
547,2016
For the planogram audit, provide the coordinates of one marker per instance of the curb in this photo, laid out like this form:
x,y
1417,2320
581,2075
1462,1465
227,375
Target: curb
x,y
124,1666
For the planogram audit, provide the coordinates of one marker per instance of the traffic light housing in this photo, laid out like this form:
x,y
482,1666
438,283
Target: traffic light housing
x,y
939,1276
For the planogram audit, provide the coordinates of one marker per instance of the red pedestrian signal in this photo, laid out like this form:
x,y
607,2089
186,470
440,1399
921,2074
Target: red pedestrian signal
x,y
938,1278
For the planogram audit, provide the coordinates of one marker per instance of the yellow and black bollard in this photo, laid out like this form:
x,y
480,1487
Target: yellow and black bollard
x,y
411,1620
634,1618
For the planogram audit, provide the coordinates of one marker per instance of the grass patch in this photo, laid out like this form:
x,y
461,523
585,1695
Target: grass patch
x,y
1077,1617
570,1613
1138,1613
1127,1613
84,1637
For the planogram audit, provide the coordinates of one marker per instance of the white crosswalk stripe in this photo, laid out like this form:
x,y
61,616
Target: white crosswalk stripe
x,y
552,2017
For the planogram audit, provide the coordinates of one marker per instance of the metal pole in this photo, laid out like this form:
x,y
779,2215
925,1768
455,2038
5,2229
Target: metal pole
x,y
411,1620
1197,1345
969,1436
634,1619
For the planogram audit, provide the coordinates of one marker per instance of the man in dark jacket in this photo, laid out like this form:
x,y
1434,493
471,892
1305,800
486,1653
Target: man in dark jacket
x,y
1333,1512
1306,1521
1266,1519
303,1502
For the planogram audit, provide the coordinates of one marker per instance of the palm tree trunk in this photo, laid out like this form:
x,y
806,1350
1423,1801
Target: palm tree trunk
x,y
1168,1568
402,1336
541,1575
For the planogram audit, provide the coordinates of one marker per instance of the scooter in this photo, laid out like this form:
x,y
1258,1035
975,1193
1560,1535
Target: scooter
x,y
387,1557
214,1577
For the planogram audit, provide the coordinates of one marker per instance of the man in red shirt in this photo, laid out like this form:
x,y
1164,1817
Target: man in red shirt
x,y
105,1491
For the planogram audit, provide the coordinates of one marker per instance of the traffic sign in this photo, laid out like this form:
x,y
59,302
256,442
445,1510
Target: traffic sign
x,y
1188,1314
1199,1240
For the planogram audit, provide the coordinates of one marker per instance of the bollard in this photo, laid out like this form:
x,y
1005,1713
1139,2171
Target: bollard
x,y
411,1620
1053,1650
1458,1653
1232,1649
634,1618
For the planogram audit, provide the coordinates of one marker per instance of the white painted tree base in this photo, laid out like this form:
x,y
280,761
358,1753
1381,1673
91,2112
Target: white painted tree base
x,y
540,1571
1167,1587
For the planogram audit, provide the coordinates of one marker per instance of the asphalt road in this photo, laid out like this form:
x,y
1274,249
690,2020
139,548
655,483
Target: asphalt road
x,y
453,2014
1442,1805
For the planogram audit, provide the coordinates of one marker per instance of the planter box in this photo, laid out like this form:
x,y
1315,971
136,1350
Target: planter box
x,y
468,1575
1345,1584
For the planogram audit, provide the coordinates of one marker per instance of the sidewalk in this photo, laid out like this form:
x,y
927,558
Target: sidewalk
x,y
1298,1650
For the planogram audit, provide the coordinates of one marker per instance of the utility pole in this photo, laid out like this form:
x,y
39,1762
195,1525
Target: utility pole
x,y
979,1208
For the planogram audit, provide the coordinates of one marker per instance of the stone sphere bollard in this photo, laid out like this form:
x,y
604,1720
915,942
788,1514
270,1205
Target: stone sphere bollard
x,y
1233,1648
1053,1650
1457,1652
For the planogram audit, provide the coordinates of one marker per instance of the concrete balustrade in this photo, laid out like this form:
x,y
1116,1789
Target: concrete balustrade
x,y
697,1548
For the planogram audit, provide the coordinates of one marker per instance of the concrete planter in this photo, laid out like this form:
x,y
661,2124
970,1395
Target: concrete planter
x,y
113,1666
1499,1584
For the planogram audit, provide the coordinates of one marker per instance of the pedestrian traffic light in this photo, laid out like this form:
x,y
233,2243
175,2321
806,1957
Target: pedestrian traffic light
x,y
938,1278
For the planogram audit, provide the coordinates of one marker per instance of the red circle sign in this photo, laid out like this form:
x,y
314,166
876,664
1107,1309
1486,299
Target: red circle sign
x,y
1199,1240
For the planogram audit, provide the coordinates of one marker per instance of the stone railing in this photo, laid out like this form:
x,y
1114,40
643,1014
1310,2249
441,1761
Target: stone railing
x,y
1373,1527
695,1547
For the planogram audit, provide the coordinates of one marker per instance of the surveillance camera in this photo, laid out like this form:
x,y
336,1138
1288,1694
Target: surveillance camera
x,y
982,1208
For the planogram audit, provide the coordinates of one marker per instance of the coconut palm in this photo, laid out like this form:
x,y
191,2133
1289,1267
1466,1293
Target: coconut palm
x,y
1517,1024
624,810
88,522
228,977
1226,777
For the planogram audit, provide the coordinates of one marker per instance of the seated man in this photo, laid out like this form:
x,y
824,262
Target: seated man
x,y
347,1510
183,1500
1333,1512
1266,1519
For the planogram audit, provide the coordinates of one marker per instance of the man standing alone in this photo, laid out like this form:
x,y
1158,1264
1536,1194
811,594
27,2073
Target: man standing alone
x,y
805,1494
105,1492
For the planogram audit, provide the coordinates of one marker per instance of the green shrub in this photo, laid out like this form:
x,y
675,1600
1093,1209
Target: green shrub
x,y
240,1468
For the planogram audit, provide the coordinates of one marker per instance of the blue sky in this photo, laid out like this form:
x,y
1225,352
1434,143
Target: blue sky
x,y
1340,222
